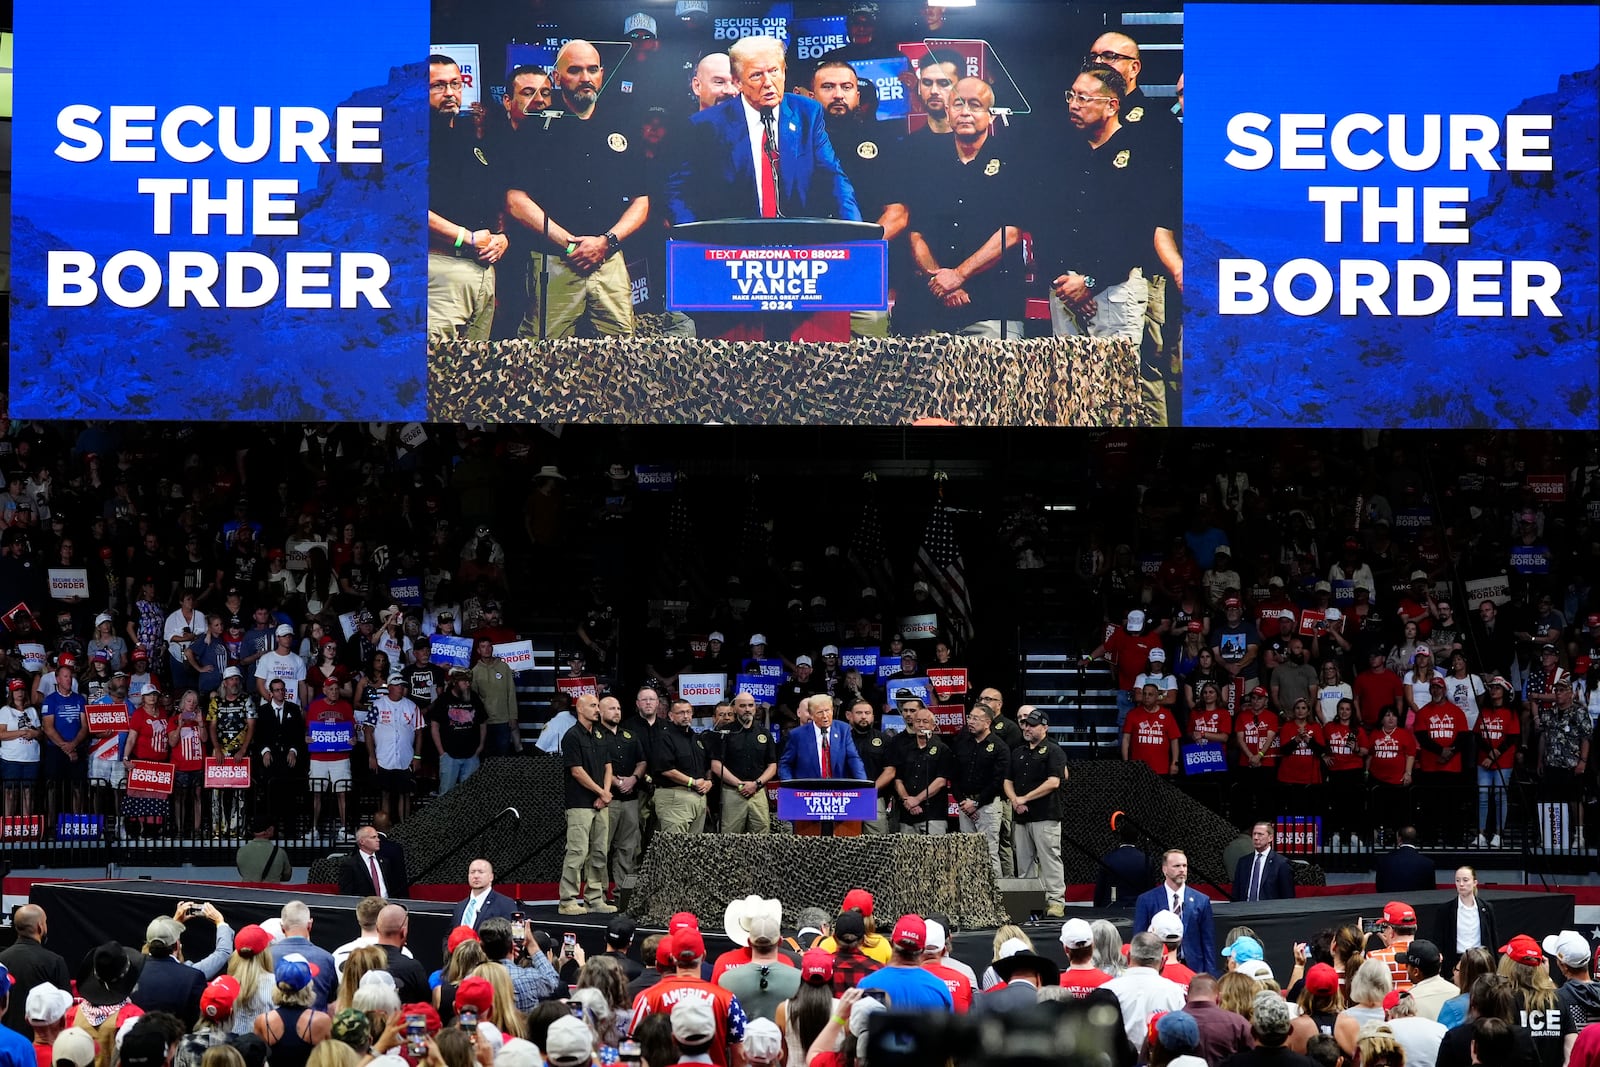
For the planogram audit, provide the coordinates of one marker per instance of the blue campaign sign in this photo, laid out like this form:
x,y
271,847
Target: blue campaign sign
x,y
862,658
1530,559
840,277
887,665
450,651
905,688
884,74
1208,757
763,687
811,39
770,668
802,805
211,225
80,827
329,736
406,591
652,478
1344,591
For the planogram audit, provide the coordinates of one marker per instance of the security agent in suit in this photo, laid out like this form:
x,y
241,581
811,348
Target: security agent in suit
x,y
482,902
1124,871
1199,949
1264,874
747,762
802,753
355,873
1406,869
166,983
730,168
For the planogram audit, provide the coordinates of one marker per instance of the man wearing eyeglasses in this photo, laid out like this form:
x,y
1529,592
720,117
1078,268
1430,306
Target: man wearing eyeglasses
x,y
763,154
1095,246
567,188
964,231
466,231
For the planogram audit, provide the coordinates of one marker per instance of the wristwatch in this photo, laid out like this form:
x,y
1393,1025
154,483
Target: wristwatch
x,y
613,242
1088,280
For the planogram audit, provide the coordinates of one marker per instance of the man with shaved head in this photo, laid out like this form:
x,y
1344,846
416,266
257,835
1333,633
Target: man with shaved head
x,y
713,80
30,964
409,979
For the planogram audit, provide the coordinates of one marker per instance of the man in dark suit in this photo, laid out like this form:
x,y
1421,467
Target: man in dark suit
x,y
367,872
30,964
1406,869
1199,950
1023,974
802,752
763,154
166,983
1264,874
280,748
482,902
1125,870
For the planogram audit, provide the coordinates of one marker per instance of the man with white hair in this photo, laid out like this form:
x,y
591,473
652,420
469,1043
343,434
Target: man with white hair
x,y
1141,990
296,920
763,154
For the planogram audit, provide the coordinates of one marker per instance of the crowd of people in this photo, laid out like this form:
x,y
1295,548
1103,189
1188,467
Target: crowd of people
x,y
798,988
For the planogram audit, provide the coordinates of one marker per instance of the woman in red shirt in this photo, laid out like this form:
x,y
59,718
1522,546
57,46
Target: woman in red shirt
x,y
1394,751
1498,732
1347,776
1300,751
148,740
187,732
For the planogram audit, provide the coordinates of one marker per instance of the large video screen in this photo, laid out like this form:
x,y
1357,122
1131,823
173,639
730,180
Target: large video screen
x,y
817,211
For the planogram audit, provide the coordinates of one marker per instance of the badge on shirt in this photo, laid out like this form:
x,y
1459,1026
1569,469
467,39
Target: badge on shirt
x,y
867,150
481,158
1135,114
1121,160
989,747
617,142
933,750
877,742
992,169
627,736
761,739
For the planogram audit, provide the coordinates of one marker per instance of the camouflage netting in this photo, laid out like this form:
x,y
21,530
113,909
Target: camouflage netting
x,y
1170,817
1049,381
702,873
445,835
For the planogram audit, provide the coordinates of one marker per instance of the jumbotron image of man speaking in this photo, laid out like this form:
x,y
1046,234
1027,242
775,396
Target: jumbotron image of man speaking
x,y
763,154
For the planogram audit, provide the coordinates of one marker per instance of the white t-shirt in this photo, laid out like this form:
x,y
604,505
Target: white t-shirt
x,y
1464,694
1419,684
1166,682
196,623
394,725
290,668
17,750
1328,697
1420,1038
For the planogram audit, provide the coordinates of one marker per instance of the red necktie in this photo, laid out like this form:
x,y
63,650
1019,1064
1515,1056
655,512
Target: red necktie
x,y
769,187
827,759
377,883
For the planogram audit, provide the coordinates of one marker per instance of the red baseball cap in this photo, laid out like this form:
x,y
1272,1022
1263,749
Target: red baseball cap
x,y
664,952
1320,979
859,899
67,659
430,1015
474,994
1391,999
252,939
910,931
1259,691
683,920
459,936
1195,626
816,967
1399,913
219,997
688,946
1232,602
1523,949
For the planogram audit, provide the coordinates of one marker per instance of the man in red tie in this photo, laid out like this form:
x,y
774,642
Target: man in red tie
x,y
365,872
822,748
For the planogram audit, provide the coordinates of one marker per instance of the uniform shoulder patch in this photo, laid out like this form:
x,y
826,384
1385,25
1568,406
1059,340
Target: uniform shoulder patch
x,y
989,747
933,750
867,150
1135,114
627,736
617,143
1121,159
761,739
992,168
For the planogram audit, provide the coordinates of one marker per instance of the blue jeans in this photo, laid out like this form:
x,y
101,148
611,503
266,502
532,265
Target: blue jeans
x,y
1492,783
1124,705
453,772
498,740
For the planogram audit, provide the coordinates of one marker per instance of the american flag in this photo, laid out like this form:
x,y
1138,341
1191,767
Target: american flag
x,y
939,564
866,553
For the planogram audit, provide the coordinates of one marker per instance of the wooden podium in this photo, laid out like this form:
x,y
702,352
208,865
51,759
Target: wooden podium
x,y
827,807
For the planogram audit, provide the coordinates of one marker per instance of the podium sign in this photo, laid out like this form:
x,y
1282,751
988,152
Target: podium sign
x,y
853,276
857,803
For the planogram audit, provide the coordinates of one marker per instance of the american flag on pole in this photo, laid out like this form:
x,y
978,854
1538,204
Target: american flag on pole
x,y
939,564
866,552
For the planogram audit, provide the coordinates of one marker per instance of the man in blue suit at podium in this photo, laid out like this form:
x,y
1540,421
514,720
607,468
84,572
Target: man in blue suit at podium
x,y
803,754
763,154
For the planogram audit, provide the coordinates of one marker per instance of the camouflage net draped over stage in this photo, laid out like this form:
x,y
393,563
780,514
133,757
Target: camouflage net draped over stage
x,y
701,873
1047,381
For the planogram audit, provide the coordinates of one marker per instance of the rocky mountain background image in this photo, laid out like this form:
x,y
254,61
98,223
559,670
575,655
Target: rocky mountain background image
x,y
270,363
1277,369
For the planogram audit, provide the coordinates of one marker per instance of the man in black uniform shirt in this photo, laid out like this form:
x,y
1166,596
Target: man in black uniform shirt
x,y
465,234
585,178
1008,731
921,763
746,762
800,687
529,92
682,771
873,748
1033,791
628,765
587,759
962,208
979,766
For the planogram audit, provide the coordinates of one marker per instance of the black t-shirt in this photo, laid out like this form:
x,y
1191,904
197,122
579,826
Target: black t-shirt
x,y
979,767
866,154
679,749
1105,218
874,750
410,981
625,747
581,748
459,720
584,173
747,753
427,682
463,183
916,767
1030,766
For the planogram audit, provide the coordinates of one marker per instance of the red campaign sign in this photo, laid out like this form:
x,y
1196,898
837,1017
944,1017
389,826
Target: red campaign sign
x,y
947,680
107,718
1312,623
22,828
227,774
1549,487
146,778
949,718
578,687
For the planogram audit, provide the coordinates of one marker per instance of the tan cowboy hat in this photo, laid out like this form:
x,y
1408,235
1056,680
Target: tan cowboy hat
x,y
736,920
